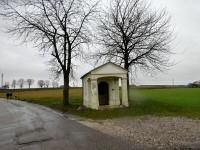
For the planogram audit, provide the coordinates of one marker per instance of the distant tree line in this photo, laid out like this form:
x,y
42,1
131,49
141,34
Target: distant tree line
x,y
195,84
21,83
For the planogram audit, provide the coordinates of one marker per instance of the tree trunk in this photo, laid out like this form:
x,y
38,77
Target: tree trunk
x,y
66,89
126,66
128,86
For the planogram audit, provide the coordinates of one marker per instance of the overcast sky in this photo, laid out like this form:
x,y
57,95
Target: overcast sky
x,y
24,61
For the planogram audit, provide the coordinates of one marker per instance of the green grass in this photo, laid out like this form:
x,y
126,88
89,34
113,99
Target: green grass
x,y
177,101
159,102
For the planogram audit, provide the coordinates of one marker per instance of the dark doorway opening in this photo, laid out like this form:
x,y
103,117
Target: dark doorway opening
x,y
103,90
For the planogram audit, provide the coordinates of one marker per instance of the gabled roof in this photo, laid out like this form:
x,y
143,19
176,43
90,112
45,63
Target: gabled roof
x,y
101,67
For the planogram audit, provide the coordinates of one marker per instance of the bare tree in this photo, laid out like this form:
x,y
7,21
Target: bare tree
x,y
14,83
55,84
41,83
58,27
21,82
134,36
30,82
47,82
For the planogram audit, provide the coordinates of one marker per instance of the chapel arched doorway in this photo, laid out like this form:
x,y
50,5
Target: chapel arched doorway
x,y
103,91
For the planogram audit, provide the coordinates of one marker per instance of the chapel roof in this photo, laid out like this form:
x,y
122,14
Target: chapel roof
x,y
101,67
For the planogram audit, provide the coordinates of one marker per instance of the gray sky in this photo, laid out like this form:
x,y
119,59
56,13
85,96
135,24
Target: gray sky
x,y
24,61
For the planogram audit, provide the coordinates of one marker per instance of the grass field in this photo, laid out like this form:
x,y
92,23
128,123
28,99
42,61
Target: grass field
x,y
161,102
48,97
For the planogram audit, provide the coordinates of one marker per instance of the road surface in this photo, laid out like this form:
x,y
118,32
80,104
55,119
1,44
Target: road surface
x,y
25,126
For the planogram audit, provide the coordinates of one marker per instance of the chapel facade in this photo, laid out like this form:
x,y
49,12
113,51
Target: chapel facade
x,y
101,87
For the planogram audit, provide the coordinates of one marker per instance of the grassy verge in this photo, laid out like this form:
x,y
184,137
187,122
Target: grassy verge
x,y
159,102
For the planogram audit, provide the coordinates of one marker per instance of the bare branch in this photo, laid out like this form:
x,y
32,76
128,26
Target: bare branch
x,y
133,35
57,27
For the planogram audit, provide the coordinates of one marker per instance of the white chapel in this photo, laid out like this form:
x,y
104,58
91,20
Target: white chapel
x,y
101,87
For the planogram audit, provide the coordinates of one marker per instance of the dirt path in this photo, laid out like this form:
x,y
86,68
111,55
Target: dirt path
x,y
153,132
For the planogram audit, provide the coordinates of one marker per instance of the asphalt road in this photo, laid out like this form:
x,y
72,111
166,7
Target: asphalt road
x,y
25,126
